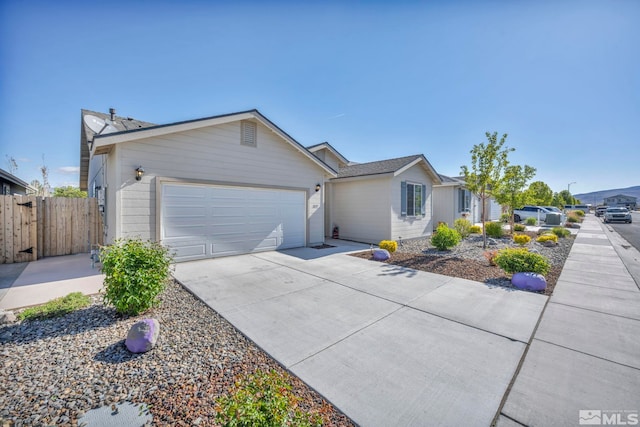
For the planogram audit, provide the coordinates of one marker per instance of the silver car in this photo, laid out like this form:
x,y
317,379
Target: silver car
x,y
617,214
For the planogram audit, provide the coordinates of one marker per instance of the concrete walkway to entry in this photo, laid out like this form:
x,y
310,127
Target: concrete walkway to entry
x,y
37,282
585,355
385,344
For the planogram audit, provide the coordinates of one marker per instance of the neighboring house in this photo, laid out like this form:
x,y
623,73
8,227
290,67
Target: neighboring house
x,y
452,200
383,200
621,200
12,185
215,186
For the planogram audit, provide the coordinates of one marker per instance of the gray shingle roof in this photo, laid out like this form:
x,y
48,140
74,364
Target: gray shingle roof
x,y
376,168
449,179
86,135
12,178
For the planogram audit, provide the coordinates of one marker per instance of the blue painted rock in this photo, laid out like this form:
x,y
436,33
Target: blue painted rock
x,y
529,281
381,254
143,336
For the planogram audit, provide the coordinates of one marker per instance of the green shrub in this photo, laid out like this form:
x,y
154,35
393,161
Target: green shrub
x,y
390,245
135,274
547,237
520,260
475,229
560,231
462,226
521,239
262,399
445,238
519,227
494,229
505,218
56,307
531,221
579,213
573,218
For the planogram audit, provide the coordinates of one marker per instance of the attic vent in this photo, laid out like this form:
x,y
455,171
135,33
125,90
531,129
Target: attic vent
x,y
249,133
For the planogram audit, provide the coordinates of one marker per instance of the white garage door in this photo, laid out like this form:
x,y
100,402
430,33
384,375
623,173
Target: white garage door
x,y
204,221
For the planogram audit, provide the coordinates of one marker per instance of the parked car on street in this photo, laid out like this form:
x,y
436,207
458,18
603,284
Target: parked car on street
x,y
530,212
600,210
553,209
617,214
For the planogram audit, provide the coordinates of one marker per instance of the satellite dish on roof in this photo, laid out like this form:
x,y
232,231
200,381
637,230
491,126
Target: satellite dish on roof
x,y
98,125
109,127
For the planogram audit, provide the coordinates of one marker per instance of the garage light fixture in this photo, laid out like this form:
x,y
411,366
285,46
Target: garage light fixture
x,y
318,187
139,173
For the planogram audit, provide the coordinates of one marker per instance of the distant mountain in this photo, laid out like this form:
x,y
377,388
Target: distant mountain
x,y
597,197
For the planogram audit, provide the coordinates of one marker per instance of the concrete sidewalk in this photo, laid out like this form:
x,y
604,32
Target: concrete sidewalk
x,y
40,281
385,344
585,355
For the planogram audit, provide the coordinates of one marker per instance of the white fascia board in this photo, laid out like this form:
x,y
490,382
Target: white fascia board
x,y
363,177
427,166
110,139
327,146
296,145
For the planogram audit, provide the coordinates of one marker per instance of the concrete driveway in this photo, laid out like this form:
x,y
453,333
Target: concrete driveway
x,y
387,345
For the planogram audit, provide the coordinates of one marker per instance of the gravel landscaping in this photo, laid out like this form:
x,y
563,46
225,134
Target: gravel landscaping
x,y
55,370
467,260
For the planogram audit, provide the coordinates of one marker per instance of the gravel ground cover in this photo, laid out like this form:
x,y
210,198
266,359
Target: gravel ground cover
x,y
52,371
467,260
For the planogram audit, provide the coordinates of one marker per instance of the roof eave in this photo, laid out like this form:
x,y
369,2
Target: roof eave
x,y
103,143
435,178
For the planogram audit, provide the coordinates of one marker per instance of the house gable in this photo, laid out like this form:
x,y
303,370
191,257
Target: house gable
x,y
328,154
104,143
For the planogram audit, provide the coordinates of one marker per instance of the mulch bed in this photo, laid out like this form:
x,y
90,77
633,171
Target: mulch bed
x,y
460,267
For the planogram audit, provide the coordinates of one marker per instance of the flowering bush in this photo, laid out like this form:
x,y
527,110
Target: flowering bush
x,y
547,237
475,229
390,245
521,239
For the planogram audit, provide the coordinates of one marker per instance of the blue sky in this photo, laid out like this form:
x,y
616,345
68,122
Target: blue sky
x,y
376,79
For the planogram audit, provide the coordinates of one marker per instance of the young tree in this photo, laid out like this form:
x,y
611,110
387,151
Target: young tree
x,y
46,188
485,173
37,188
540,194
13,165
511,192
69,191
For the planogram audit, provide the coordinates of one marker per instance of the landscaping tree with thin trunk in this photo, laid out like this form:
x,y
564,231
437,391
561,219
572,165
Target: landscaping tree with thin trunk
x,y
540,194
484,174
512,190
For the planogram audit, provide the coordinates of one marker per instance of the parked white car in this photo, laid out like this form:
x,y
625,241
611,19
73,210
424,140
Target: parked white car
x,y
617,214
537,212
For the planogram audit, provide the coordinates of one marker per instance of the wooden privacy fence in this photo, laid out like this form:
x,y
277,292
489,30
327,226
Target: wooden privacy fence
x,y
35,227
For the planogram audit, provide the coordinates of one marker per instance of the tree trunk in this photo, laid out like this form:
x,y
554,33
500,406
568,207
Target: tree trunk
x,y
482,217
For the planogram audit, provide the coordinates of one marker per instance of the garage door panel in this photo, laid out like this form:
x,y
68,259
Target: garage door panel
x,y
181,232
200,221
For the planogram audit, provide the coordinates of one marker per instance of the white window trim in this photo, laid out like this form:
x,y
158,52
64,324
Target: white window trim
x,y
419,206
